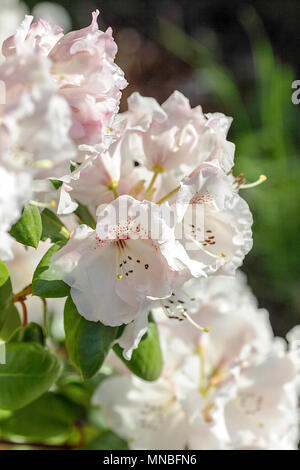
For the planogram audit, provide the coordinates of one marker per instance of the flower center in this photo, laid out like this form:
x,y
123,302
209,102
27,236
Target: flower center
x,y
178,309
128,264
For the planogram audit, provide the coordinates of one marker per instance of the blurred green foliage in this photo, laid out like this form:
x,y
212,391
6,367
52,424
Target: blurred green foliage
x,y
264,130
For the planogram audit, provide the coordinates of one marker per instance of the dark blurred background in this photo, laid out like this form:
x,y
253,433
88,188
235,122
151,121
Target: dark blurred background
x,y
239,58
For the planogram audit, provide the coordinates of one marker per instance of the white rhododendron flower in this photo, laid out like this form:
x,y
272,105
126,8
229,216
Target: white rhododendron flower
x,y
35,121
83,69
102,176
209,291
224,237
131,258
50,104
173,139
92,183
232,388
14,193
40,37
264,411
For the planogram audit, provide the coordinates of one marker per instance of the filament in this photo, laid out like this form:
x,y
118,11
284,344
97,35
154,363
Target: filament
x,y
137,188
260,180
43,204
157,169
167,196
199,327
118,259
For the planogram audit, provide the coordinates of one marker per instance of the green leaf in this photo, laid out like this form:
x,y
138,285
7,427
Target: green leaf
x,y
5,414
53,228
74,389
56,183
28,229
51,415
11,323
46,282
77,393
87,342
146,361
30,370
107,440
85,216
74,165
5,294
31,333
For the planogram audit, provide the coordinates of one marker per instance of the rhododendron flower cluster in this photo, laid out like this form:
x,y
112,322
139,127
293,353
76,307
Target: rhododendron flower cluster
x,y
235,388
60,90
144,222
81,65
205,226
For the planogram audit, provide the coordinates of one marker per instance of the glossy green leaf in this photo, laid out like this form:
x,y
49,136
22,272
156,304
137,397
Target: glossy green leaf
x,y
11,323
85,216
76,392
30,370
146,361
31,333
46,282
88,343
107,440
50,415
53,228
28,229
5,293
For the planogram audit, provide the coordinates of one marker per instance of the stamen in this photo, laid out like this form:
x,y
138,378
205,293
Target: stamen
x,y
118,264
199,327
43,204
137,188
222,255
202,385
149,195
157,169
260,180
167,196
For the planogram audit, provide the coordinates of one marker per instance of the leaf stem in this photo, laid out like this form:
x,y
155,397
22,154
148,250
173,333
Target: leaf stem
x,y
82,440
45,314
25,314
